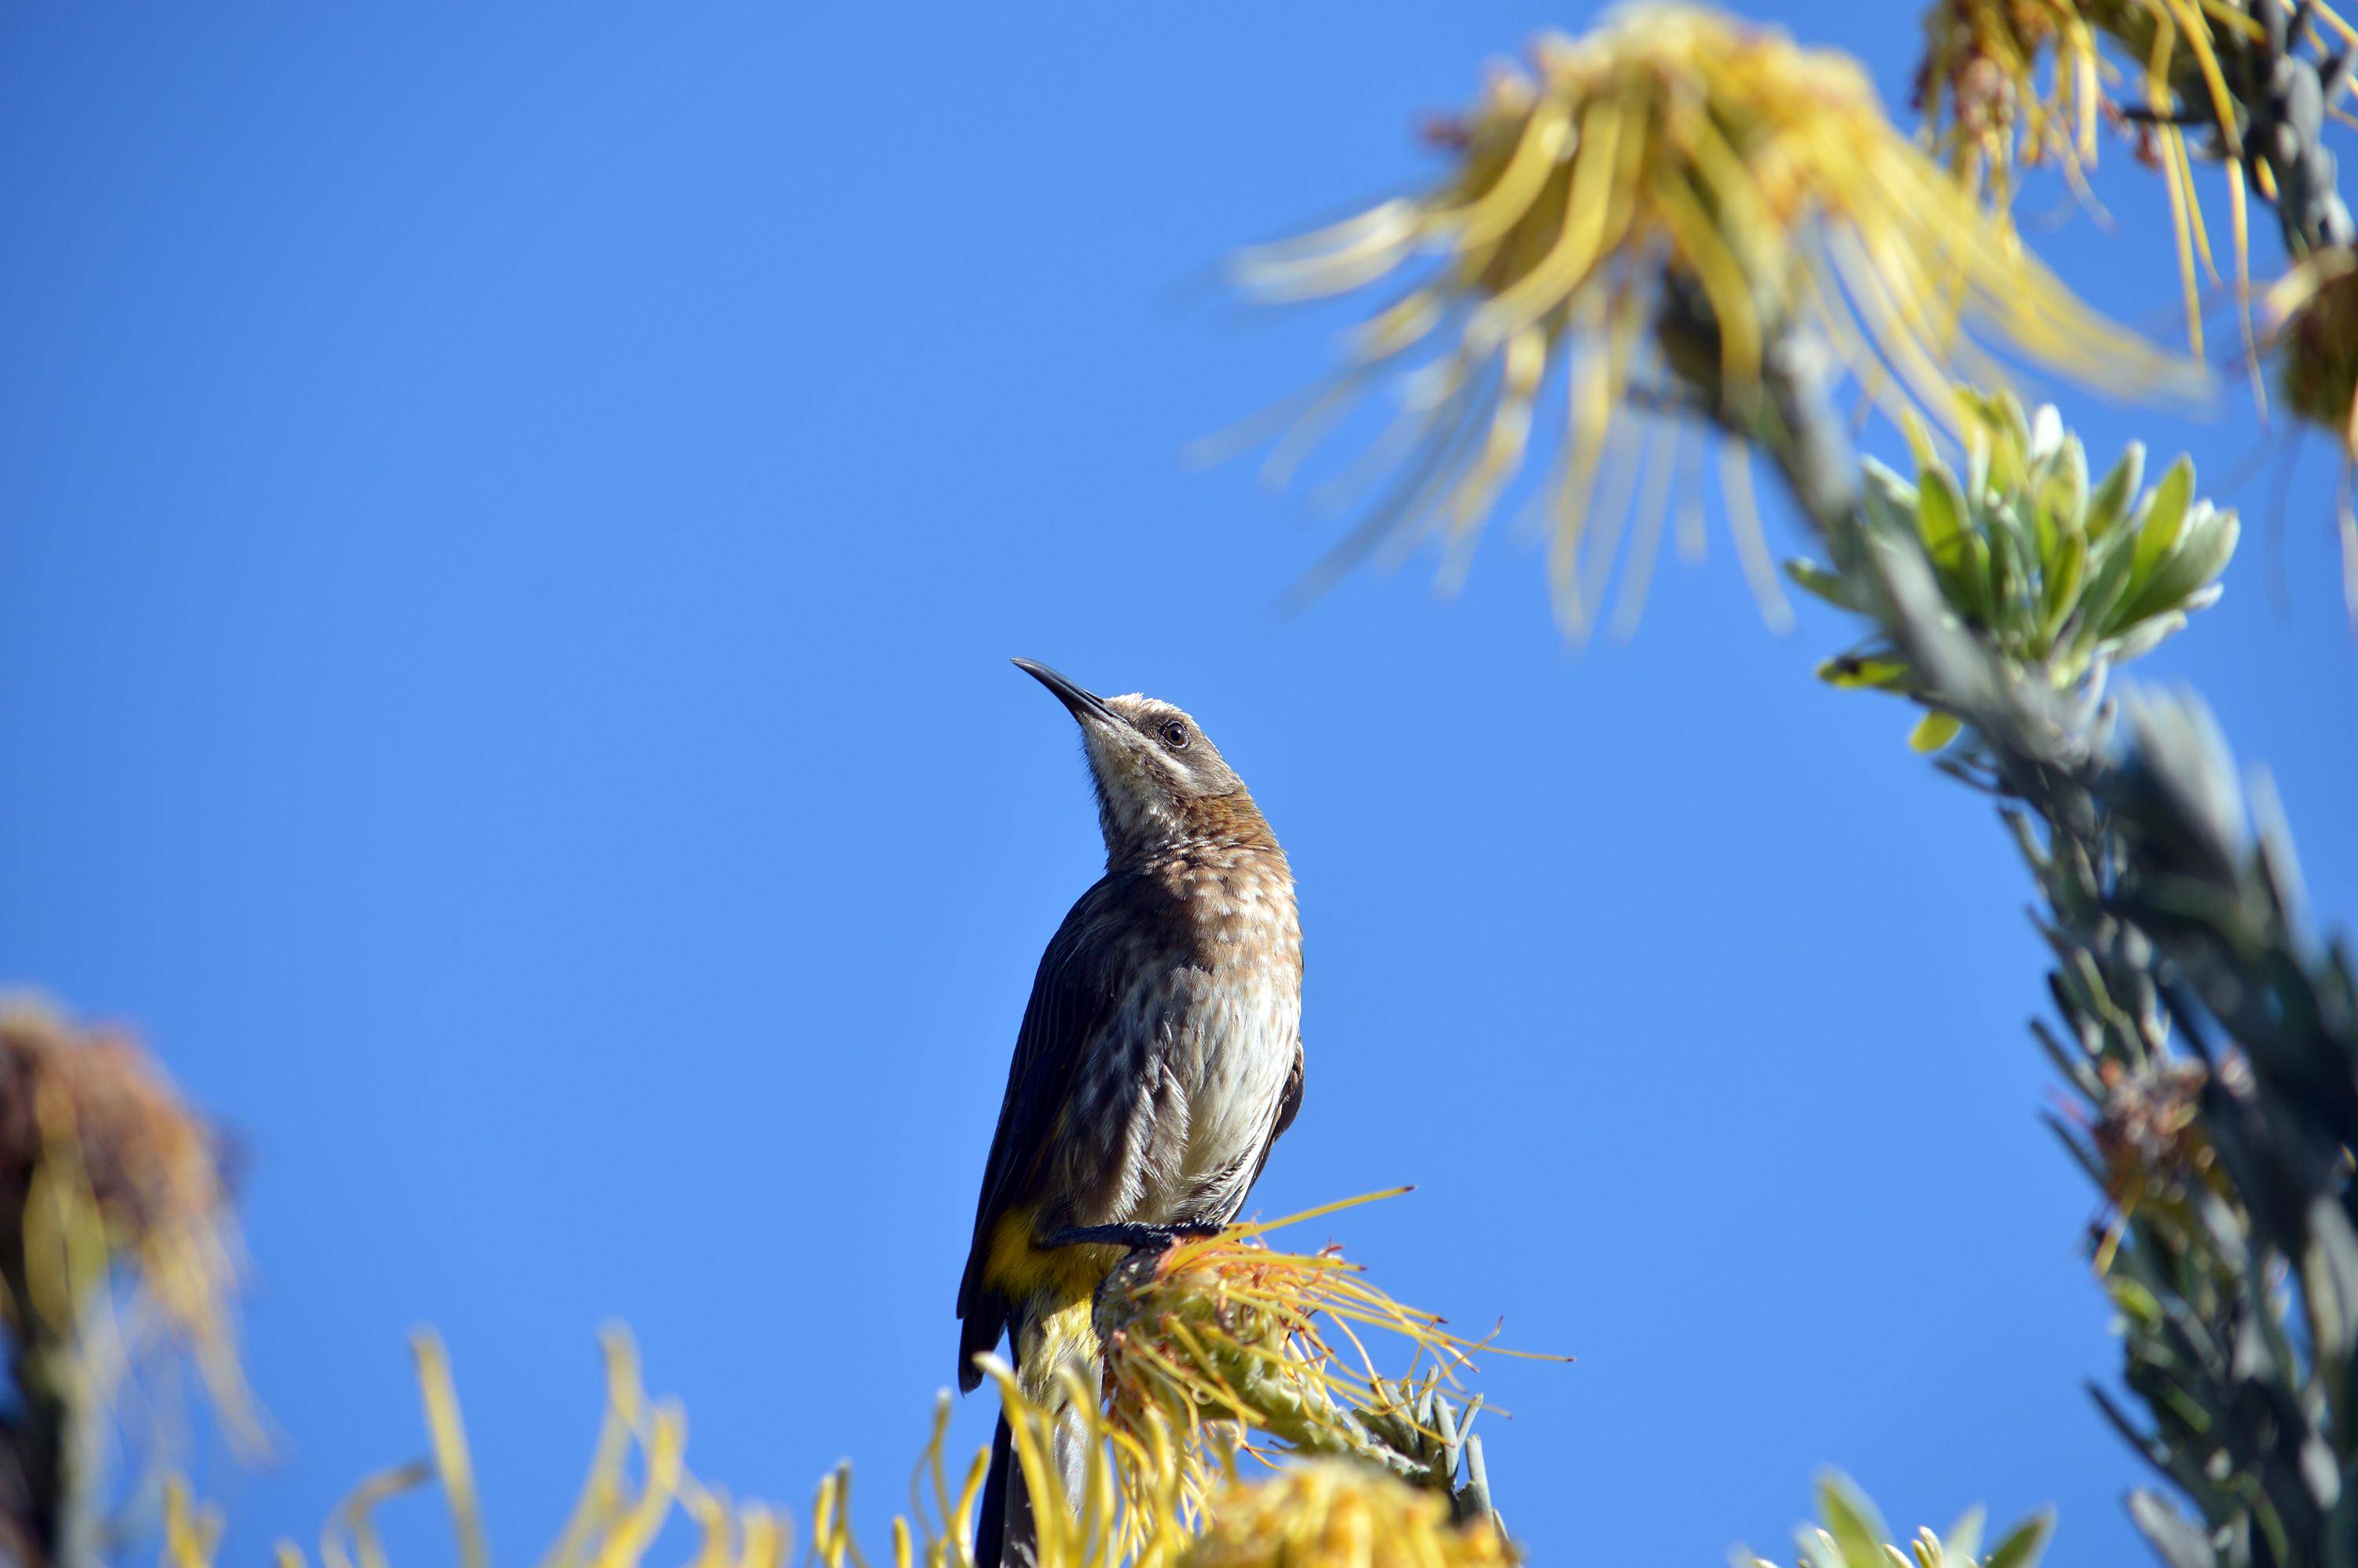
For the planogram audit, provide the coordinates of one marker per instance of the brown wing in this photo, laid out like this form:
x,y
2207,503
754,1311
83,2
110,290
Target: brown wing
x,y
1073,997
1289,1105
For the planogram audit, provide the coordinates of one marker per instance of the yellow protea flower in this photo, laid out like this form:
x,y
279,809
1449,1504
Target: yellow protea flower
x,y
2314,325
1980,91
191,1533
1332,1513
1221,1347
106,1173
1674,155
1155,1466
1313,1512
1234,1347
2314,328
2008,83
638,1482
1140,1497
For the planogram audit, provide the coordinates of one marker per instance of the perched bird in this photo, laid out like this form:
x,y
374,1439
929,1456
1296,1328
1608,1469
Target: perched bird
x,y
1159,1059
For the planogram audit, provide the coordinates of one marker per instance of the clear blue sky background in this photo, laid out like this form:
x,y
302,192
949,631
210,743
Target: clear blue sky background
x,y
515,521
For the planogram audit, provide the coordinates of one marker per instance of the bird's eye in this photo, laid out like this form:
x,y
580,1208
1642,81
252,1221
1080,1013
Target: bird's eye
x,y
1174,735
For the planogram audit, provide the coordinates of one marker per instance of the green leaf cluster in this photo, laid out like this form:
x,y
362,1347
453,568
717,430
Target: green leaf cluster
x,y
1852,1535
2062,575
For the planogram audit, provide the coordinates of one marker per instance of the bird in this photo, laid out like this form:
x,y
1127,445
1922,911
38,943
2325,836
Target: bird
x,y
1159,1060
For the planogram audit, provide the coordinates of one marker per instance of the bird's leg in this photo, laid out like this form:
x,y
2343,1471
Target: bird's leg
x,y
1137,1237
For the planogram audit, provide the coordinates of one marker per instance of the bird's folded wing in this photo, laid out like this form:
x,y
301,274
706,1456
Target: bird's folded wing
x,y
1072,999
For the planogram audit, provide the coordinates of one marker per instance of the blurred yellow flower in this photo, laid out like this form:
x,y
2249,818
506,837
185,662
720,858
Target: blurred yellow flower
x,y
1139,1491
1980,93
1312,1512
2313,327
638,1482
108,1180
1126,1515
1333,1513
1251,1346
2009,83
1675,162
2313,330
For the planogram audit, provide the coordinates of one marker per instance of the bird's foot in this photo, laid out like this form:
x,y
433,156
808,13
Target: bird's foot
x,y
1136,1237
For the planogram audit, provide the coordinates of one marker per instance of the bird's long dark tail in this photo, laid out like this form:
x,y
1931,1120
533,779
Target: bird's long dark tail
x,y
1006,1477
1056,1357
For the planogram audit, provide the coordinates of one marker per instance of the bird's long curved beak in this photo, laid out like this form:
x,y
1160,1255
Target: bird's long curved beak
x,y
1085,704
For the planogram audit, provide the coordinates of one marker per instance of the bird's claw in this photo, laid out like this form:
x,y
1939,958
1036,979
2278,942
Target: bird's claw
x,y
1136,1237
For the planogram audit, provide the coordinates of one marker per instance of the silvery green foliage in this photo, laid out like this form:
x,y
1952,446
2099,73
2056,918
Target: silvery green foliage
x,y
2239,1302
1851,1534
2213,1045
2061,577
2214,1052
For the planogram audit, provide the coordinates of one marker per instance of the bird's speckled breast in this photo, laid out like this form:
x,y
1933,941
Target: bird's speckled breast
x,y
1229,1032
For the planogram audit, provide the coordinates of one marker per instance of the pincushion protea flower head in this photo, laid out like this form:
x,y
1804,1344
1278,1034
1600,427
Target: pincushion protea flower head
x,y
1980,91
1221,1347
1674,157
1313,1513
2008,84
1229,1345
2314,329
1331,1513
102,1166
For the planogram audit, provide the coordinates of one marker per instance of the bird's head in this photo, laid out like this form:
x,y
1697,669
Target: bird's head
x,y
1159,779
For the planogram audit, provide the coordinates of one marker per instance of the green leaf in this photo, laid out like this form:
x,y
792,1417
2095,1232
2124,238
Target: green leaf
x,y
2133,1300
2209,543
2024,1544
1851,1520
2144,636
1853,672
2010,571
1976,580
2068,492
1933,731
2106,589
1941,517
2063,587
2045,534
1998,462
1890,500
1920,439
2164,524
1831,585
2111,502
1963,1541
1819,1551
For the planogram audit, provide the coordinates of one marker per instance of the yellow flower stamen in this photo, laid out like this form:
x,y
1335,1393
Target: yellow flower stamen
x,y
1674,164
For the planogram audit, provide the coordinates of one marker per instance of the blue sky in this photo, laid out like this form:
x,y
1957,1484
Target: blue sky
x,y
516,519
